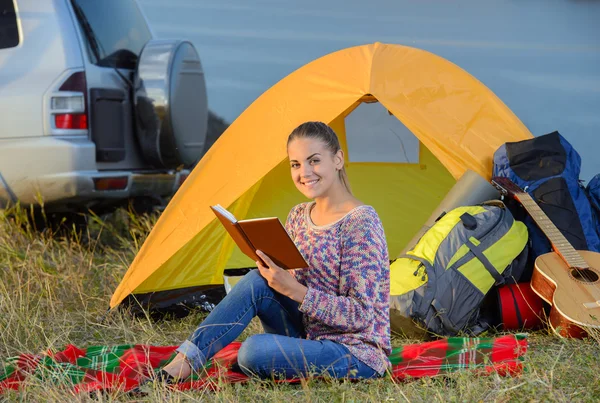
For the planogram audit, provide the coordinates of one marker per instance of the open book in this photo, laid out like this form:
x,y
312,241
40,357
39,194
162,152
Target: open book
x,y
265,234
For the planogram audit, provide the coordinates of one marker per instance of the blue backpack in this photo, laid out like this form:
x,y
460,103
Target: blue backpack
x,y
547,167
593,191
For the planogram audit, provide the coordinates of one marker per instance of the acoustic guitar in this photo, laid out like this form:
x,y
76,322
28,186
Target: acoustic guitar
x,y
567,279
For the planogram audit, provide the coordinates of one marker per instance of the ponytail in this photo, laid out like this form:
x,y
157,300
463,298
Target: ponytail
x,y
344,178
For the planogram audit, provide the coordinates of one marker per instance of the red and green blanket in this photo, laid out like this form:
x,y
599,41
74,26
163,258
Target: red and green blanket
x,y
121,367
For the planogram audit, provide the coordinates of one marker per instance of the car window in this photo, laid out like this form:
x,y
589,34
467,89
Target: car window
x,y
9,32
115,31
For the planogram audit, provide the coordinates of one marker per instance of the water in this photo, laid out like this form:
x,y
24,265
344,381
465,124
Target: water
x,y
542,58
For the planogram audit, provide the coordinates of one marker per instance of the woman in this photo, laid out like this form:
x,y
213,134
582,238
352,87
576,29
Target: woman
x,y
330,318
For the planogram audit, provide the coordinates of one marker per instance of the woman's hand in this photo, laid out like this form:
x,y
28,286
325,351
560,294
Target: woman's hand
x,y
280,280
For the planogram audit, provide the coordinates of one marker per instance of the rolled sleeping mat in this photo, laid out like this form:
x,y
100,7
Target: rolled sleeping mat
x,y
513,307
470,189
520,307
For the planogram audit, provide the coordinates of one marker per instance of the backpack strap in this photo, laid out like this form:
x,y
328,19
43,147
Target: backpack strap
x,y
485,261
517,310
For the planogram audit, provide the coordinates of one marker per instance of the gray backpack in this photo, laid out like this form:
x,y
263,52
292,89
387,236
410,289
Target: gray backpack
x,y
440,283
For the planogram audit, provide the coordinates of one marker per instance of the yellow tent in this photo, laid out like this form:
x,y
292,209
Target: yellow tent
x,y
410,124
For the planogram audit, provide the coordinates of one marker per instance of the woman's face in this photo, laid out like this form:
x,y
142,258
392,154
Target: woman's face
x,y
314,168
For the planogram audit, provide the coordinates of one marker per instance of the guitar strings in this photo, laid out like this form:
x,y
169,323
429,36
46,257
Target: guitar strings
x,y
586,274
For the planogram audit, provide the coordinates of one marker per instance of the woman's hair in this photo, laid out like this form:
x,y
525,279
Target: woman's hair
x,y
321,131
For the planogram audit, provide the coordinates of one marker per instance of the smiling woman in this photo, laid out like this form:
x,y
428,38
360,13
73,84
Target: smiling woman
x,y
331,317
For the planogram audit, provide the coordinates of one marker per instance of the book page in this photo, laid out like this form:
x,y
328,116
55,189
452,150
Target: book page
x,y
260,219
225,213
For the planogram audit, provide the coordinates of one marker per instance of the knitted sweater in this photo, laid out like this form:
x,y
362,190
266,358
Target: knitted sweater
x,y
348,281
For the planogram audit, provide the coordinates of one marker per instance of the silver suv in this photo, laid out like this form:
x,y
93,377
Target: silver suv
x,y
93,111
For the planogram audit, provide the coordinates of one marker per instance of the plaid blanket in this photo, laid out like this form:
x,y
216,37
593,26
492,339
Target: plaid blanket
x,y
121,367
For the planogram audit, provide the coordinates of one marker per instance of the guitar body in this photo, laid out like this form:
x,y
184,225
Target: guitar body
x,y
575,298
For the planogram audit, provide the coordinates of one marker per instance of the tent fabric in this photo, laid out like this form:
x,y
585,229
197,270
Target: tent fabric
x,y
458,122
111,368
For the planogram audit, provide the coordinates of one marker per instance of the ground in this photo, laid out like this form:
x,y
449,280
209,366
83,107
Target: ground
x,y
54,289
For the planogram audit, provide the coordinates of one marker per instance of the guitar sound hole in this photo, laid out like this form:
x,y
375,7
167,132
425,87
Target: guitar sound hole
x,y
584,275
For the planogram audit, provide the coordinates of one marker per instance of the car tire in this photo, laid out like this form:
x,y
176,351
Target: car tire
x,y
171,105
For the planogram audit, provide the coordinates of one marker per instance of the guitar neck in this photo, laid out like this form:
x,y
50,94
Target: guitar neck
x,y
559,243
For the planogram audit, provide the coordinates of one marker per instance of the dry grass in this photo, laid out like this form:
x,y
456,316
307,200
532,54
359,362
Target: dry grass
x,y
53,290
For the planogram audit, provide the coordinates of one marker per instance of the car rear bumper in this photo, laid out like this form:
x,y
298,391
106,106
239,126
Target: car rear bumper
x,y
83,187
107,185
57,172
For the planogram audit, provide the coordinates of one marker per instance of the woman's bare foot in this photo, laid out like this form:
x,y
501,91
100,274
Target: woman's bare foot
x,y
178,368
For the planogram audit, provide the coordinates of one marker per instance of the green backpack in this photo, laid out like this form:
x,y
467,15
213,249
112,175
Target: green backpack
x,y
440,283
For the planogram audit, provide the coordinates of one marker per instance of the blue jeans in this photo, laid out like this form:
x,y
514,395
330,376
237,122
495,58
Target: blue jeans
x,y
283,351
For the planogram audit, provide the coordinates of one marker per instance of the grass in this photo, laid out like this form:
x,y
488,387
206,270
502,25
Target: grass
x,y
54,289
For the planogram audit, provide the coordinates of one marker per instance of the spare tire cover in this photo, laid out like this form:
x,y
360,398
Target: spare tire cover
x,y
170,104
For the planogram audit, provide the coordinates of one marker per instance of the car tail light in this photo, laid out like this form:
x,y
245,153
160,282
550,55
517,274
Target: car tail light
x,y
71,121
114,183
68,106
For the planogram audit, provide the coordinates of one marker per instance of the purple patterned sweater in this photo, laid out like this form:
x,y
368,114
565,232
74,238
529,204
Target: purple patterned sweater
x,y
348,281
